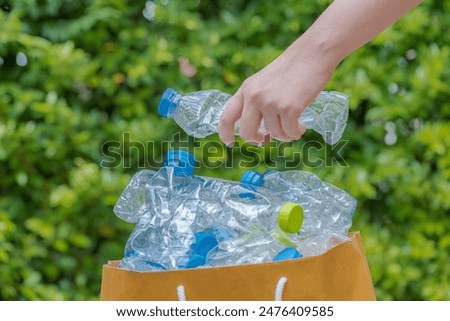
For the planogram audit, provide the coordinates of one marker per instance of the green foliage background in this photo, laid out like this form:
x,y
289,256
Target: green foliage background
x,y
96,69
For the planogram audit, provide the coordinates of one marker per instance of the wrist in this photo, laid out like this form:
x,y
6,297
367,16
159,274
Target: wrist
x,y
316,46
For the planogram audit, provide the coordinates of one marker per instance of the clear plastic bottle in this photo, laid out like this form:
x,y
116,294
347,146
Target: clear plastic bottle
x,y
159,239
226,203
198,113
328,210
147,188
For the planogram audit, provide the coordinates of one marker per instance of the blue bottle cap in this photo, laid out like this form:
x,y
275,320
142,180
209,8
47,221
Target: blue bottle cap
x,y
183,162
168,102
287,254
252,178
204,242
195,260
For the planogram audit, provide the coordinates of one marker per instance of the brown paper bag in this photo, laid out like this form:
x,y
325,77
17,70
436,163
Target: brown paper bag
x,y
341,273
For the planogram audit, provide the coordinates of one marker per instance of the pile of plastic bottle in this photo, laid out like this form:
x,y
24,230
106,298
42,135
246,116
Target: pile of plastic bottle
x,y
187,221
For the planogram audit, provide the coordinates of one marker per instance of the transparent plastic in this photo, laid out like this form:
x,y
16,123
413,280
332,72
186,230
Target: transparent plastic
x,y
328,210
169,210
185,221
198,113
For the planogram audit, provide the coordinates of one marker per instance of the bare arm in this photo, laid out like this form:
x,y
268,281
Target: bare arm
x,y
347,25
279,93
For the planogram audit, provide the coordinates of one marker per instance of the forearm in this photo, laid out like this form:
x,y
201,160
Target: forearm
x,y
347,25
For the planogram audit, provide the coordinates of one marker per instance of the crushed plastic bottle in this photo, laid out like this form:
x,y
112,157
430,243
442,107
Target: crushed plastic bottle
x,y
328,210
149,201
198,113
147,188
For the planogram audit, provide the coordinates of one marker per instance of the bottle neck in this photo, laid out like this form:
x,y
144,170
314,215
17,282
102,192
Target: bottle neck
x,y
174,101
169,102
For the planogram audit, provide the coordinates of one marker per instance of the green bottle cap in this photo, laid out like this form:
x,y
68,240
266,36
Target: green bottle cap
x,y
290,217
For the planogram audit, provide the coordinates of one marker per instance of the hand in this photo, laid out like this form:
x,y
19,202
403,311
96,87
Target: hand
x,y
276,95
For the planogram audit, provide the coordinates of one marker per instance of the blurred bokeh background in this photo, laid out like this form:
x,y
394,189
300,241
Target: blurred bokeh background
x,y
75,75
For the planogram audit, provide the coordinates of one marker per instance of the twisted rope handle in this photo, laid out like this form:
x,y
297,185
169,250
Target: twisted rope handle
x,y
280,288
181,293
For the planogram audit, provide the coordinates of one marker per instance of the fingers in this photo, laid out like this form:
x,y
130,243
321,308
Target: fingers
x,y
291,126
302,129
273,125
282,125
250,123
249,117
229,117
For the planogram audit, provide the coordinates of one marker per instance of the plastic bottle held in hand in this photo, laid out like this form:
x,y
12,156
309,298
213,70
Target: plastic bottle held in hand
x,y
198,113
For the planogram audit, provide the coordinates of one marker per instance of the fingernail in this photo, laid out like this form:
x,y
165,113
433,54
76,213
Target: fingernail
x,y
231,145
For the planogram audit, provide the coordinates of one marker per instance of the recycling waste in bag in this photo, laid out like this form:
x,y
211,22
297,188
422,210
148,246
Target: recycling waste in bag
x,y
186,221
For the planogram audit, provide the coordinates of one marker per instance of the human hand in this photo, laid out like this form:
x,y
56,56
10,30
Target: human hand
x,y
276,96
